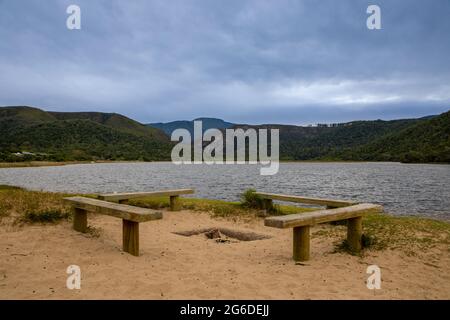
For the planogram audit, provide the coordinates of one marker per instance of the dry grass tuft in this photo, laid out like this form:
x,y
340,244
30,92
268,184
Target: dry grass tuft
x,y
23,206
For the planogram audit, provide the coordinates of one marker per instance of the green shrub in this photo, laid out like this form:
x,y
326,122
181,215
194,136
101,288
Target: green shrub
x,y
7,187
367,242
250,199
45,216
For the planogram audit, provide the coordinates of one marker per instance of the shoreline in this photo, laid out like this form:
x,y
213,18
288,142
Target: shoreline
x,y
33,164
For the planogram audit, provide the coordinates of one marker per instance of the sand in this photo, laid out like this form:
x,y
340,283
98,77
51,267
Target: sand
x,y
34,259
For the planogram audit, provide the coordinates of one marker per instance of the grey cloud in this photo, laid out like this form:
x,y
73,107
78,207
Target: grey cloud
x,y
246,61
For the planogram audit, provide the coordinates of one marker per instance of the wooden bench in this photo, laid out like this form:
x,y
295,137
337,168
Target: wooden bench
x,y
131,217
269,197
174,195
301,223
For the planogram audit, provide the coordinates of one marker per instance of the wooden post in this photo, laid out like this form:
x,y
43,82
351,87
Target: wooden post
x,y
80,220
175,203
130,231
354,234
301,243
268,204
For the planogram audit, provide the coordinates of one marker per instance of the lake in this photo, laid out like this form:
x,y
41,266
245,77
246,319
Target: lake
x,y
404,189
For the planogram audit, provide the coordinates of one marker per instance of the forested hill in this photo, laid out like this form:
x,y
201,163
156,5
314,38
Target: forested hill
x,y
35,134
42,135
409,140
424,141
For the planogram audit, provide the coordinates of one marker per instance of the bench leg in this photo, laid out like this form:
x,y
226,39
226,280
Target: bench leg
x,y
80,220
268,205
301,243
175,203
354,234
130,237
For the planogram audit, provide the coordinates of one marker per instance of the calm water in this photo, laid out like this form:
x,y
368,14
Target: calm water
x,y
415,189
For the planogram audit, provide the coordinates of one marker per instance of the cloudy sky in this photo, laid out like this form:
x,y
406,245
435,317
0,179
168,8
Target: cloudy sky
x,y
276,61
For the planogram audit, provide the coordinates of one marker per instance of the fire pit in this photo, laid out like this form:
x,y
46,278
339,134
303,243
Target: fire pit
x,y
223,235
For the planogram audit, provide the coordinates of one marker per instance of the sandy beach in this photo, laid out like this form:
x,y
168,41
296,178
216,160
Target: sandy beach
x,y
34,258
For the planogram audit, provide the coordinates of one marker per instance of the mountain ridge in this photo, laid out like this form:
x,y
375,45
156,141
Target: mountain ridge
x,y
77,136
207,123
111,136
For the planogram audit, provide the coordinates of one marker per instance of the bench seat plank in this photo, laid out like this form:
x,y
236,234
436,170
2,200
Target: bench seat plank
x,y
122,211
307,200
322,216
131,195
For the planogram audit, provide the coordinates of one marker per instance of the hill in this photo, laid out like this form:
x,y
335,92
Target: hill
x,y
425,141
77,136
110,136
113,120
207,123
328,143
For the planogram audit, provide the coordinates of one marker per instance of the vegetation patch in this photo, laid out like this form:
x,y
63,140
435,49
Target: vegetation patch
x,y
45,216
218,208
367,242
250,199
22,206
249,205
7,187
411,235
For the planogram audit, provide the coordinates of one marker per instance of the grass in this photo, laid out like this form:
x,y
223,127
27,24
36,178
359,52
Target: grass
x,y
22,206
217,208
411,235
